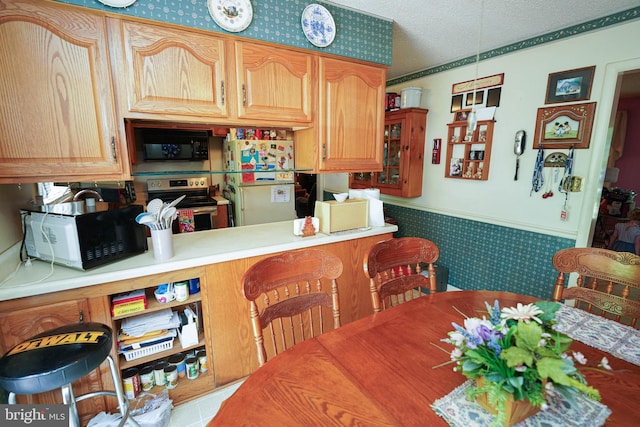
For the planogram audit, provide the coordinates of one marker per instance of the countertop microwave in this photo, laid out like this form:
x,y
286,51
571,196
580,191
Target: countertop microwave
x,y
82,237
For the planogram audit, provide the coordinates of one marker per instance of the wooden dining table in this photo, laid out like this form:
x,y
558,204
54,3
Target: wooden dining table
x,y
381,370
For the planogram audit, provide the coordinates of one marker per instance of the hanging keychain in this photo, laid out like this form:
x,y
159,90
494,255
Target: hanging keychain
x,y
537,181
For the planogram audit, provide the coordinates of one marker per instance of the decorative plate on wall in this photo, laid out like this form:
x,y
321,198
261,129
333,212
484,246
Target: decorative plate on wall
x,y
231,15
318,25
118,3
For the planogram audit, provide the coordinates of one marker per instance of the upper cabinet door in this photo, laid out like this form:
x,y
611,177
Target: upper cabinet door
x,y
57,113
351,119
170,71
273,83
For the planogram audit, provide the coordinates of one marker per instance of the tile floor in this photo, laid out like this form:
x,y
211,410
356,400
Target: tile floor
x,y
197,413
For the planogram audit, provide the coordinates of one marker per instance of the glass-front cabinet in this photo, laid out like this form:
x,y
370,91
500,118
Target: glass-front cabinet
x,y
402,158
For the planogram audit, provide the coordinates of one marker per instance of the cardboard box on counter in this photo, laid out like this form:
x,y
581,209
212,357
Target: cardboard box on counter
x,y
338,216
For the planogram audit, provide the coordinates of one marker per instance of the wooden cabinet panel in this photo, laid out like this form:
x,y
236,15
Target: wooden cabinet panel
x,y
351,119
273,83
232,347
347,134
170,71
19,325
56,93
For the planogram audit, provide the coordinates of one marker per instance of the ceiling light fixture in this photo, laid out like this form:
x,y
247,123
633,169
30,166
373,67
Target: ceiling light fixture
x,y
472,119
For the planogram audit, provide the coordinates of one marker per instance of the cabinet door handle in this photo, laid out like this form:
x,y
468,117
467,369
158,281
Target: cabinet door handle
x,y
324,151
113,149
222,91
244,96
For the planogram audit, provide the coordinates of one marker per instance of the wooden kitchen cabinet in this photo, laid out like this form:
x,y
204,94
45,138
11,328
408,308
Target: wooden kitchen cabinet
x,y
178,74
22,324
468,157
169,72
273,84
403,155
347,134
58,110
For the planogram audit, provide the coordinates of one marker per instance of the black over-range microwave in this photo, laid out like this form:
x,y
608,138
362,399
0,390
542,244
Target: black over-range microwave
x,y
175,144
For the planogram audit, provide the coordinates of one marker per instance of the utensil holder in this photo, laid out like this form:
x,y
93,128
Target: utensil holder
x,y
162,244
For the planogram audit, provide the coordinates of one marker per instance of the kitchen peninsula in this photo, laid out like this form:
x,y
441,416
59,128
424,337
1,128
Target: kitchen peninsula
x,y
35,298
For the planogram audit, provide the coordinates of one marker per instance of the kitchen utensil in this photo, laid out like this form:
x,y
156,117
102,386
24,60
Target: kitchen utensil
x,y
518,149
176,201
154,206
168,215
148,220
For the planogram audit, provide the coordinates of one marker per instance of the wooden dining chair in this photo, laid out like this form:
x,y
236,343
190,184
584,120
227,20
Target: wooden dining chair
x,y
394,269
294,296
608,282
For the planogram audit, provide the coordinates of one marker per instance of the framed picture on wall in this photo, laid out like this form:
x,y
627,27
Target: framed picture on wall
x,y
570,85
493,97
456,103
564,126
461,115
479,98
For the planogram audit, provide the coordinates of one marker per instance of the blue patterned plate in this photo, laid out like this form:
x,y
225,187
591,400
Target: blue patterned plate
x,y
318,25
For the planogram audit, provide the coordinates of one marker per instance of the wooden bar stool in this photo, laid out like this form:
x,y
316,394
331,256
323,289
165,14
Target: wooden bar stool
x,y
58,357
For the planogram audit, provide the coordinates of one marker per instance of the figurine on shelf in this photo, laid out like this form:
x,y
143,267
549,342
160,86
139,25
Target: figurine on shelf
x,y
478,174
469,172
308,229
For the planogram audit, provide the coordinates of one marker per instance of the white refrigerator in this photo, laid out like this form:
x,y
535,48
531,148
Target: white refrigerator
x,y
259,180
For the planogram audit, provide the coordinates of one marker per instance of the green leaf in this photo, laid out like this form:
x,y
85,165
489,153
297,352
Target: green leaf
x,y
515,356
554,369
549,308
470,365
528,335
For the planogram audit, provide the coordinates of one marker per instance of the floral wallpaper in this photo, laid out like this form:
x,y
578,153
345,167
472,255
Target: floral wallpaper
x,y
358,36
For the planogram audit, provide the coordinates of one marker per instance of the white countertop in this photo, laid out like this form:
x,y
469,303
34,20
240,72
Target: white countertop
x,y
191,250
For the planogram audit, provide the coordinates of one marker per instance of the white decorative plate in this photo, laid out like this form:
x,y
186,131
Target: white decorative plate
x,y
318,25
231,15
118,3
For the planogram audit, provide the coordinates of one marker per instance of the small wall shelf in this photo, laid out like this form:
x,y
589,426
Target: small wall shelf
x,y
468,157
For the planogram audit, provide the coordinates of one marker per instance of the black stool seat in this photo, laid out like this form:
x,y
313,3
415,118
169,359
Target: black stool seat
x,y
54,358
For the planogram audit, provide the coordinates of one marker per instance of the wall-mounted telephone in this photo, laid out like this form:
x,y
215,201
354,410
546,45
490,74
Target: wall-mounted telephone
x,y
518,149
435,154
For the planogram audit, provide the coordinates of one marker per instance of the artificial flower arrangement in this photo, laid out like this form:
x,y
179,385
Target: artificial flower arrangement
x,y
515,354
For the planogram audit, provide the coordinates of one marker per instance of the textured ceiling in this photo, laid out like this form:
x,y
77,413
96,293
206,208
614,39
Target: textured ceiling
x,y
428,33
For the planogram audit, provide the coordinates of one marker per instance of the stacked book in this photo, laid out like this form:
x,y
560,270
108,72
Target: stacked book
x,y
127,303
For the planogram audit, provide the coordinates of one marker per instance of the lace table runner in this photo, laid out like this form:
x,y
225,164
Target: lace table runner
x,y
619,340
458,411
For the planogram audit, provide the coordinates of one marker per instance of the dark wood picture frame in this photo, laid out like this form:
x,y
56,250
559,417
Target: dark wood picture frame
x,y
461,115
570,85
564,126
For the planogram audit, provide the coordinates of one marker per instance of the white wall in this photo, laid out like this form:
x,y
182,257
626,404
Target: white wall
x,y
501,200
12,198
